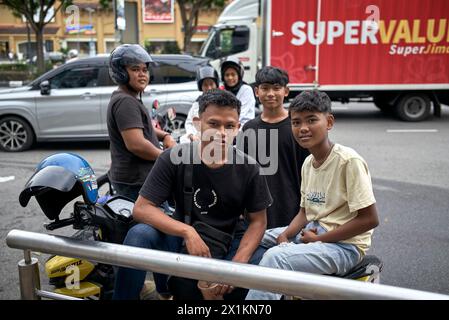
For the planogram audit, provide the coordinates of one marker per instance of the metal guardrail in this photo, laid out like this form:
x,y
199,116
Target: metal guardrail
x,y
291,283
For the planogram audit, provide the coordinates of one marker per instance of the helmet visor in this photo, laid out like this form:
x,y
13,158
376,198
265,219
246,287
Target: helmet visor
x,y
135,54
49,177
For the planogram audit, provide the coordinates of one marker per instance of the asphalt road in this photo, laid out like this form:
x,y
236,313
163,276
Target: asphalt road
x,y
408,162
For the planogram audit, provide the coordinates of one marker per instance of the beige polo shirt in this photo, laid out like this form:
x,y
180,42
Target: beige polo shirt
x,y
333,193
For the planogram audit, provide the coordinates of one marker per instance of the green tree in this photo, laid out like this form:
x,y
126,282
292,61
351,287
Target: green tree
x,y
31,9
190,10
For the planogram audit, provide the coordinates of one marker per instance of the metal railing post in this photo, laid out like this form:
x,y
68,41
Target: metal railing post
x,y
29,277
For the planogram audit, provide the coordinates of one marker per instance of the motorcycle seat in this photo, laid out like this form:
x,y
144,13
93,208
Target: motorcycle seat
x,y
369,265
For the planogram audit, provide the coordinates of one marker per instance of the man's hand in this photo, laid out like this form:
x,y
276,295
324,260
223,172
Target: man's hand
x,y
222,289
168,141
310,235
282,238
195,245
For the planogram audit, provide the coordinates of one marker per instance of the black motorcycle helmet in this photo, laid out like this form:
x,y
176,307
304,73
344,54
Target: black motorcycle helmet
x,y
235,63
59,179
126,55
206,72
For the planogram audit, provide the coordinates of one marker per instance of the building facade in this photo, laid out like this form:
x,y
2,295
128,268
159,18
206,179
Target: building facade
x,y
156,24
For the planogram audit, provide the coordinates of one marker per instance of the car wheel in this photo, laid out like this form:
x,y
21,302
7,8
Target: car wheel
x,y
413,107
176,127
15,134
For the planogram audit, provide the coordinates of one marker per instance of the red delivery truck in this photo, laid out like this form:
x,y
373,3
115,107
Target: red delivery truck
x,y
394,53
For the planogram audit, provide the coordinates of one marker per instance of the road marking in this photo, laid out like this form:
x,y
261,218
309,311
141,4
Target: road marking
x,y
411,130
340,108
6,179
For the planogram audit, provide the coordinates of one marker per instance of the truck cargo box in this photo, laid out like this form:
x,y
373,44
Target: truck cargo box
x,y
365,44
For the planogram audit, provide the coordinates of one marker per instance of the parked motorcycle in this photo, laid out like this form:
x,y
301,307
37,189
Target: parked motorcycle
x,y
58,180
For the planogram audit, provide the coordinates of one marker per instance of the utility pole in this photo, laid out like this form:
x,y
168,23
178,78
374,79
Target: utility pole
x,y
79,26
120,22
91,43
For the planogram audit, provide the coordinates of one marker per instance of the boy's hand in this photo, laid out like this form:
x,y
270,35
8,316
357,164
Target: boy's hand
x,y
309,235
282,238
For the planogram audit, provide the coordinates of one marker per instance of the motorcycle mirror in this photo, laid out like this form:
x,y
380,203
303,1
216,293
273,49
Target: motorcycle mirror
x,y
171,114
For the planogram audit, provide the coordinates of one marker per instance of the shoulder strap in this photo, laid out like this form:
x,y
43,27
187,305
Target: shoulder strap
x,y
188,187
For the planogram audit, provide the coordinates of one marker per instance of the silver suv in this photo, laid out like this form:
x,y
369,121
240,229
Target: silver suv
x,y
70,102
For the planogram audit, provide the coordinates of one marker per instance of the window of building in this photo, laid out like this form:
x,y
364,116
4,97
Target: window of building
x,y
49,45
162,47
83,47
23,48
4,50
109,46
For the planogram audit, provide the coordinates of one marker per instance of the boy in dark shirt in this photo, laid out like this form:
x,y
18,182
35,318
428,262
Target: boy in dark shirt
x,y
268,138
225,185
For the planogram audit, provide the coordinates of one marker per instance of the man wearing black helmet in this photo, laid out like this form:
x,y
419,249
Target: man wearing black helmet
x,y
207,79
134,141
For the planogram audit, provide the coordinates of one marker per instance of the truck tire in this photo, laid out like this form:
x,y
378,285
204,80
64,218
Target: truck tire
x,y
413,107
15,134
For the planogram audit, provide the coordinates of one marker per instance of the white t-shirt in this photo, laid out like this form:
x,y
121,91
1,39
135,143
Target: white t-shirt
x,y
248,109
333,193
190,128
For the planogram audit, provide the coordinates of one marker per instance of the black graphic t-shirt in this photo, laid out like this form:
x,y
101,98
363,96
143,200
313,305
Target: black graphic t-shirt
x,y
220,195
285,183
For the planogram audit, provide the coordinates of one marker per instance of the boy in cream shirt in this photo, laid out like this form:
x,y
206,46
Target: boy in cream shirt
x,y
333,228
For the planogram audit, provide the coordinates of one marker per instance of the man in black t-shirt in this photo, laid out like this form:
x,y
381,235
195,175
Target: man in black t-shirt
x,y
226,184
134,141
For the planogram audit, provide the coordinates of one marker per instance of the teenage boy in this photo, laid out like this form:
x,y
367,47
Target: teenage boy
x,y
282,157
333,228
